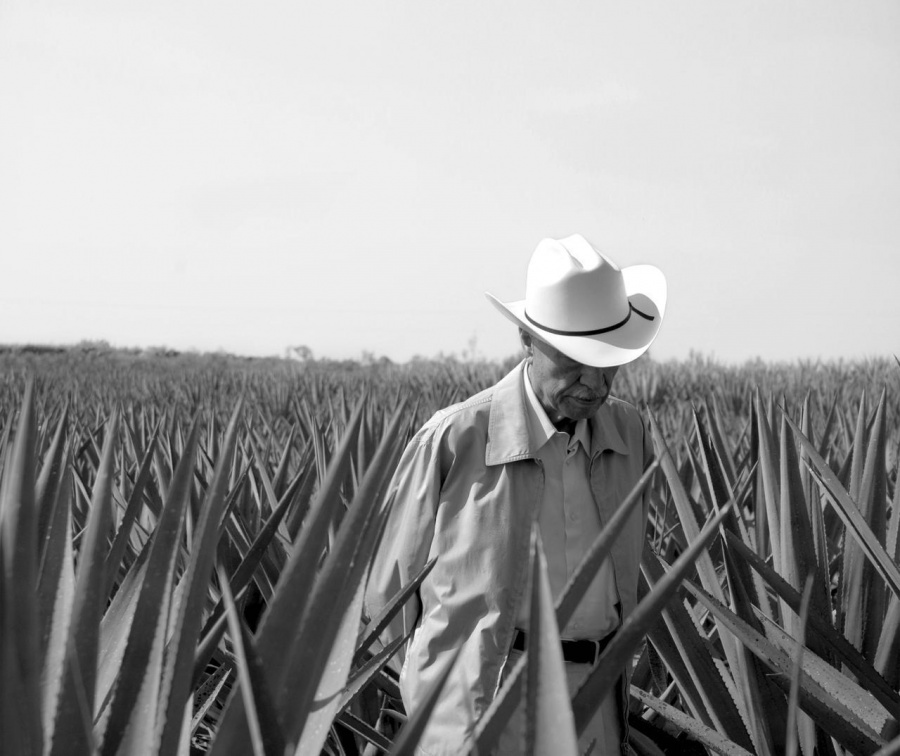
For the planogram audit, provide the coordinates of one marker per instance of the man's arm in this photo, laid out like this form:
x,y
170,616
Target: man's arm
x,y
405,544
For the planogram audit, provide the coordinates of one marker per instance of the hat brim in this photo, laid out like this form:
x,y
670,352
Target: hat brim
x,y
645,287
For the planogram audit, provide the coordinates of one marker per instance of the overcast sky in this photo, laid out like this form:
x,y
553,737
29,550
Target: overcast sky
x,y
353,176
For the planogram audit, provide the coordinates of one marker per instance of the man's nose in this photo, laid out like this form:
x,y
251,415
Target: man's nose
x,y
594,378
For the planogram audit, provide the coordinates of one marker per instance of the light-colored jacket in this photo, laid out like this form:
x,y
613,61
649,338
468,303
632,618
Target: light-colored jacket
x,y
467,490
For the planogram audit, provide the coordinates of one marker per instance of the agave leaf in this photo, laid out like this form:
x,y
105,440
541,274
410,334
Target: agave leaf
x,y
299,574
892,544
281,470
862,704
664,660
239,531
147,631
850,514
608,668
333,680
379,623
72,722
704,564
205,696
266,736
115,627
768,469
20,673
411,733
272,502
796,725
818,626
138,735
712,695
46,491
135,504
306,476
858,454
720,493
364,730
57,556
305,642
854,563
891,749
718,484
212,629
549,725
706,735
798,557
57,593
823,604
829,713
360,677
493,722
724,455
342,575
873,502
584,574
175,687
887,659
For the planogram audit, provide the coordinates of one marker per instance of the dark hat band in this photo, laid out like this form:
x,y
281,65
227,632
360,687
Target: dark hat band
x,y
557,332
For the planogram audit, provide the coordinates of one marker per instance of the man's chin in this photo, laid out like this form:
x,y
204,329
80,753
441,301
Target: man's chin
x,y
583,410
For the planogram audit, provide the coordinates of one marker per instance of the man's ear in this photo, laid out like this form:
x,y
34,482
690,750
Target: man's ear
x,y
527,341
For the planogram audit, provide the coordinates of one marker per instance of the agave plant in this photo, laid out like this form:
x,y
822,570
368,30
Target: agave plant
x,y
184,548
742,648
122,632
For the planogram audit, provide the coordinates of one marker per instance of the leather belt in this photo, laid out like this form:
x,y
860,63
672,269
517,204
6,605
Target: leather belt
x,y
575,651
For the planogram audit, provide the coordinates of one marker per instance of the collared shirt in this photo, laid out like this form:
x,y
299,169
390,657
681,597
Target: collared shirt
x,y
569,521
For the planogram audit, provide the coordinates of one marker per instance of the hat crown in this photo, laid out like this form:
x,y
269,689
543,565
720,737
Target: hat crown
x,y
570,286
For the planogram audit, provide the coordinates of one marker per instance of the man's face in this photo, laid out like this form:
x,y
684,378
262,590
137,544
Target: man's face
x,y
566,389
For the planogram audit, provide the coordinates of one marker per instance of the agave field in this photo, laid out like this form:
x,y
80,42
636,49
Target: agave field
x,y
185,541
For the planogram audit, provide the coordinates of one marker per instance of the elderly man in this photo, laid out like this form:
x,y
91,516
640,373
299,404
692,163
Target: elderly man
x,y
548,445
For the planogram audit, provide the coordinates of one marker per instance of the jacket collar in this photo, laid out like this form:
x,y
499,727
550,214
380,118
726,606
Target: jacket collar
x,y
508,438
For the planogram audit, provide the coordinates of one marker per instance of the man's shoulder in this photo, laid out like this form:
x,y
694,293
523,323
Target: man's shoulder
x,y
624,415
476,410
468,412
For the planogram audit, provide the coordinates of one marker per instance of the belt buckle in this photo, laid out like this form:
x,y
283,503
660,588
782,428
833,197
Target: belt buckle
x,y
596,651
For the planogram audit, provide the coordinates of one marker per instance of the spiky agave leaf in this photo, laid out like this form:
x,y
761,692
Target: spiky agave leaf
x,y
72,725
549,724
832,714
706,683
609,666
304,631
185,628
266,735
20,663
411,734
850,514
712,739
822,628
132,710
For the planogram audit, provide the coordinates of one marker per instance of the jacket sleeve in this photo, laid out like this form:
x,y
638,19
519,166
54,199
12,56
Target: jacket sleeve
x,y
405,544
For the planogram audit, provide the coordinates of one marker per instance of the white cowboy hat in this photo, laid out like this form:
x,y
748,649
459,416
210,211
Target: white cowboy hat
x,y
579,301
